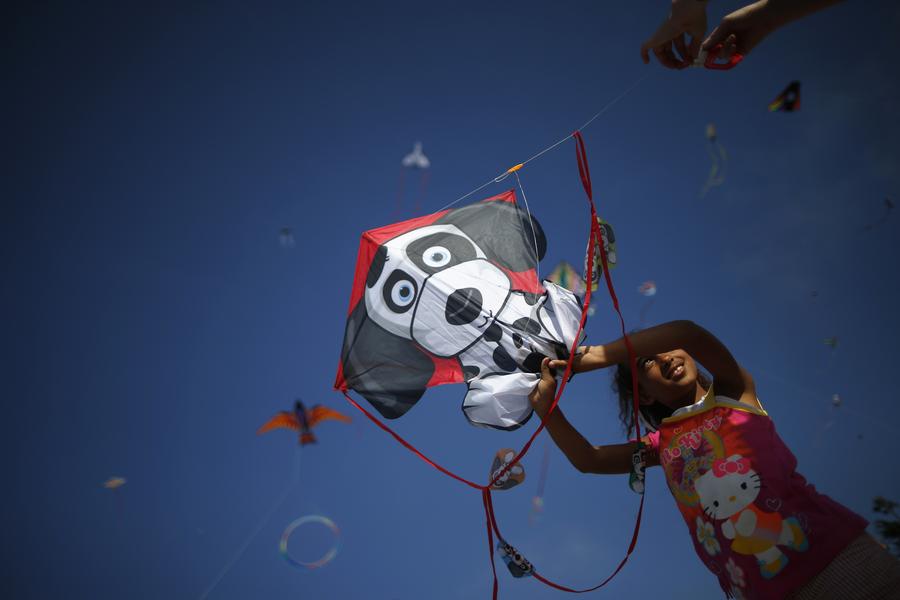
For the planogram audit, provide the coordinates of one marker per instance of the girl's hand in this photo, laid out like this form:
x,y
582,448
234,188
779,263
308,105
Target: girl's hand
x,y
541,397
587,358
686,17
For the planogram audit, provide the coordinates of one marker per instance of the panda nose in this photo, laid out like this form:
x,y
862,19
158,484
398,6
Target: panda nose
x,y
463,306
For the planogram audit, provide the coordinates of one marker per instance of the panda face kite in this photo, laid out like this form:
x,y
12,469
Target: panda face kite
x,y
435,286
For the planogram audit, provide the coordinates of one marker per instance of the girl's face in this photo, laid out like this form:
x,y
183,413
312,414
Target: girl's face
x,y
669,378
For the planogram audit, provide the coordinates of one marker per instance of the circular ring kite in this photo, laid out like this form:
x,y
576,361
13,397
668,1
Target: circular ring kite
x,y
326,558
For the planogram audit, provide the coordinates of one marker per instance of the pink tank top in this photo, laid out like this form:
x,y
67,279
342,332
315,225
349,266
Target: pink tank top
x,y
755,522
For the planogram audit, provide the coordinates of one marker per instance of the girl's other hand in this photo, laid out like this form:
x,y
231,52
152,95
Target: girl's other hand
x,y
686,17
541,397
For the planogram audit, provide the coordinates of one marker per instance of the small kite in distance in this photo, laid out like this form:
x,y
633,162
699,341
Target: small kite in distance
x,y
303,420
719,159
831,341
648,288
114,483
566,276
286,237
416,161
788,100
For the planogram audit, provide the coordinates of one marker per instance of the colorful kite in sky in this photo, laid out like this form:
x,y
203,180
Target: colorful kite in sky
x,y
303,420
453,297
566,276
114,483
719,159
788,100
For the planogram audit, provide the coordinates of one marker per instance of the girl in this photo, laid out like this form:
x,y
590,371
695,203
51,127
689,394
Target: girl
x,y
755,522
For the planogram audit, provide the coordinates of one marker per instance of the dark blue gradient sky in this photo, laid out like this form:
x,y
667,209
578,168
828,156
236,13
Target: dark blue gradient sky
x,y
153,322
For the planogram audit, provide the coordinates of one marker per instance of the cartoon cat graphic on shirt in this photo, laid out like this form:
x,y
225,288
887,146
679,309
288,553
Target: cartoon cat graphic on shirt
x,y
727,493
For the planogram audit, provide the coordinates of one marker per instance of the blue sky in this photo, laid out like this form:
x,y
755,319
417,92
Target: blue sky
x,y
153,154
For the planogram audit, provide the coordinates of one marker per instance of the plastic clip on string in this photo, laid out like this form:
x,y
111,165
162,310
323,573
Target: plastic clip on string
x,y
508,172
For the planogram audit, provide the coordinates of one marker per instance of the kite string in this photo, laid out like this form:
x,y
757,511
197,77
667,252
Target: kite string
x,y
295,478
506,173
537,257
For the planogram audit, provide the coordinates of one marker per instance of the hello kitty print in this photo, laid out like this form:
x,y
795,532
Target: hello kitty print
x,y
727,493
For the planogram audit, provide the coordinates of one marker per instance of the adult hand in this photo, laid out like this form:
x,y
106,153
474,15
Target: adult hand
x,y
686,17
743,29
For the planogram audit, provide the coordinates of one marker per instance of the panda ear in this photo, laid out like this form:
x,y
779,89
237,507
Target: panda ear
x,y
388,371
376,267
503,231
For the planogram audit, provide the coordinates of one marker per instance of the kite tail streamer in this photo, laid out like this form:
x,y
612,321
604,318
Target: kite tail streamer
x,y
538,500
719,160
398,205
644,310
295,478
423,187
120,511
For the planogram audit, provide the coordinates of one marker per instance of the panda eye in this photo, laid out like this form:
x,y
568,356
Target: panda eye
x,y
436,257
403,293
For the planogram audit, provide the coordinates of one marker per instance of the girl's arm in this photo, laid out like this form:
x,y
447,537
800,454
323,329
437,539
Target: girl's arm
x,y
614,458
730,378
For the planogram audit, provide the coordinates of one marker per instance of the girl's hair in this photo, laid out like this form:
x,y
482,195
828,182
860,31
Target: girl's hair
x,y
651,414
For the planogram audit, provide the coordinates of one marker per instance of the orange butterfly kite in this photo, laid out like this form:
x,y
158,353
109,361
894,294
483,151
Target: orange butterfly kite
x,y
302,420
